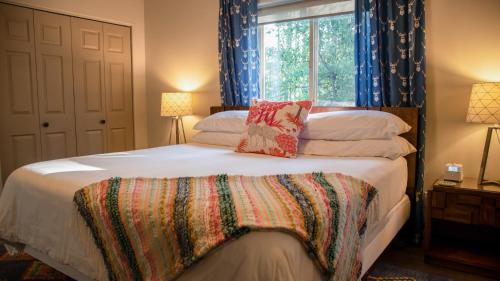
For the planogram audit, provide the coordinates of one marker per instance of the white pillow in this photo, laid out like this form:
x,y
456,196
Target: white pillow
x,y
391,148
353,125
217,138
226,121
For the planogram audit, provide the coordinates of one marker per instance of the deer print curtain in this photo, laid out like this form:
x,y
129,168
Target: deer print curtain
x,y
390,65
238,52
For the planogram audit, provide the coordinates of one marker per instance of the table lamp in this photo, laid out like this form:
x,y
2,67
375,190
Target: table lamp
x,y
176,105
484,107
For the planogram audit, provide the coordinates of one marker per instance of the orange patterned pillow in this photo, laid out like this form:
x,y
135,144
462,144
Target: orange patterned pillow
x,y
273,128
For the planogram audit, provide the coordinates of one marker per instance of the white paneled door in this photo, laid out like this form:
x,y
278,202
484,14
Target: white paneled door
x,y
20,127
55,85
118,79
89,85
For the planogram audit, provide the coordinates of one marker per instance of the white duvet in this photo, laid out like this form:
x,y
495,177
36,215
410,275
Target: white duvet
x,y
36,205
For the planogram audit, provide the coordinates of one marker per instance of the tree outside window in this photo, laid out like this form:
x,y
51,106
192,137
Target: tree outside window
x,y
309,59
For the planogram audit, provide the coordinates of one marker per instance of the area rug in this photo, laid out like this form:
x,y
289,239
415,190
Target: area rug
x,y
24,267
387,272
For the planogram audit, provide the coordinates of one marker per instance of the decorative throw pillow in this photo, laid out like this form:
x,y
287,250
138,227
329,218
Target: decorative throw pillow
x,y
273,128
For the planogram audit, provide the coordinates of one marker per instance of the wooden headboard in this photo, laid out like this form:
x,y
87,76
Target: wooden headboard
x,y
408,114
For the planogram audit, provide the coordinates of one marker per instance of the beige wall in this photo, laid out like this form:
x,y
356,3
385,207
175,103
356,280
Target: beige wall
x,y
463,46
125,12
181,55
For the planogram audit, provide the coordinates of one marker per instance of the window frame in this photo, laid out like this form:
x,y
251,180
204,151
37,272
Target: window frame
x,y
313,57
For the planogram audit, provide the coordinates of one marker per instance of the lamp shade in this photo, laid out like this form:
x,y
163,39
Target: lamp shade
x,y
176,104
484,106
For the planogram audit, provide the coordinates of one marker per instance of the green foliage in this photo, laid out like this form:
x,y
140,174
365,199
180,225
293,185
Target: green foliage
x,y
336,59
287,57
287,60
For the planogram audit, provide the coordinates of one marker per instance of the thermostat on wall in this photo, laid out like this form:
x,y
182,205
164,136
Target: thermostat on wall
x,y
454,172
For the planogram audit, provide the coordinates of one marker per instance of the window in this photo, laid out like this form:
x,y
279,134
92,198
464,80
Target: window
x,y
309,58
286,60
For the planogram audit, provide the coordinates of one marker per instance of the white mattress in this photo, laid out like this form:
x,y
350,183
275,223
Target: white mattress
x,y
36,206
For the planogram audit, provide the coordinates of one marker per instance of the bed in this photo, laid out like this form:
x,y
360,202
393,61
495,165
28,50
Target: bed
x,y
36,208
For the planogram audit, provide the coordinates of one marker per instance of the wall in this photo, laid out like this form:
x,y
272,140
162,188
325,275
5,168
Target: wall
x,y
181,55
125,12
463,46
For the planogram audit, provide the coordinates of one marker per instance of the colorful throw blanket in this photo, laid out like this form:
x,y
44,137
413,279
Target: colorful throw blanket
x,y
154,229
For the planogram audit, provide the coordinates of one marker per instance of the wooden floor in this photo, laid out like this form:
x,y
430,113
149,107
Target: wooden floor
x,y
406,255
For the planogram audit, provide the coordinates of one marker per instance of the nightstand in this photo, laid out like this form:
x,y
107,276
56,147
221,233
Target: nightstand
x,y
462,227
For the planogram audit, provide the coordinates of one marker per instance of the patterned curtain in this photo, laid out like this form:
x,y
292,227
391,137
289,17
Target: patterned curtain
x,y
390,66
238,52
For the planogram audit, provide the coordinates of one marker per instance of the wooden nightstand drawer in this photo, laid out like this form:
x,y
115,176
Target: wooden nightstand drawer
x,y
457,215
469,199
439,199
488,212
437,213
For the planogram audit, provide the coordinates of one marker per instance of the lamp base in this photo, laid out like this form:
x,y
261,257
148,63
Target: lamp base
x,y
481,180
175,122
487,182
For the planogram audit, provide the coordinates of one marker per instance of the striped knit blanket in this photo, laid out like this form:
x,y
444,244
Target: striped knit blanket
x,y
154,229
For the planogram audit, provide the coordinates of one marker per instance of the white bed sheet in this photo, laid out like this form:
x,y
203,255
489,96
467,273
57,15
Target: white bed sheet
x,y
36,205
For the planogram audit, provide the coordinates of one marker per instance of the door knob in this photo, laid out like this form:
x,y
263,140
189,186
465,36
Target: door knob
x,y
103,122
45,124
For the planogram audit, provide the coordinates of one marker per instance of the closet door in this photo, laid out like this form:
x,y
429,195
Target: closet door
x,y
89,87
20,126
55,85
120,123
